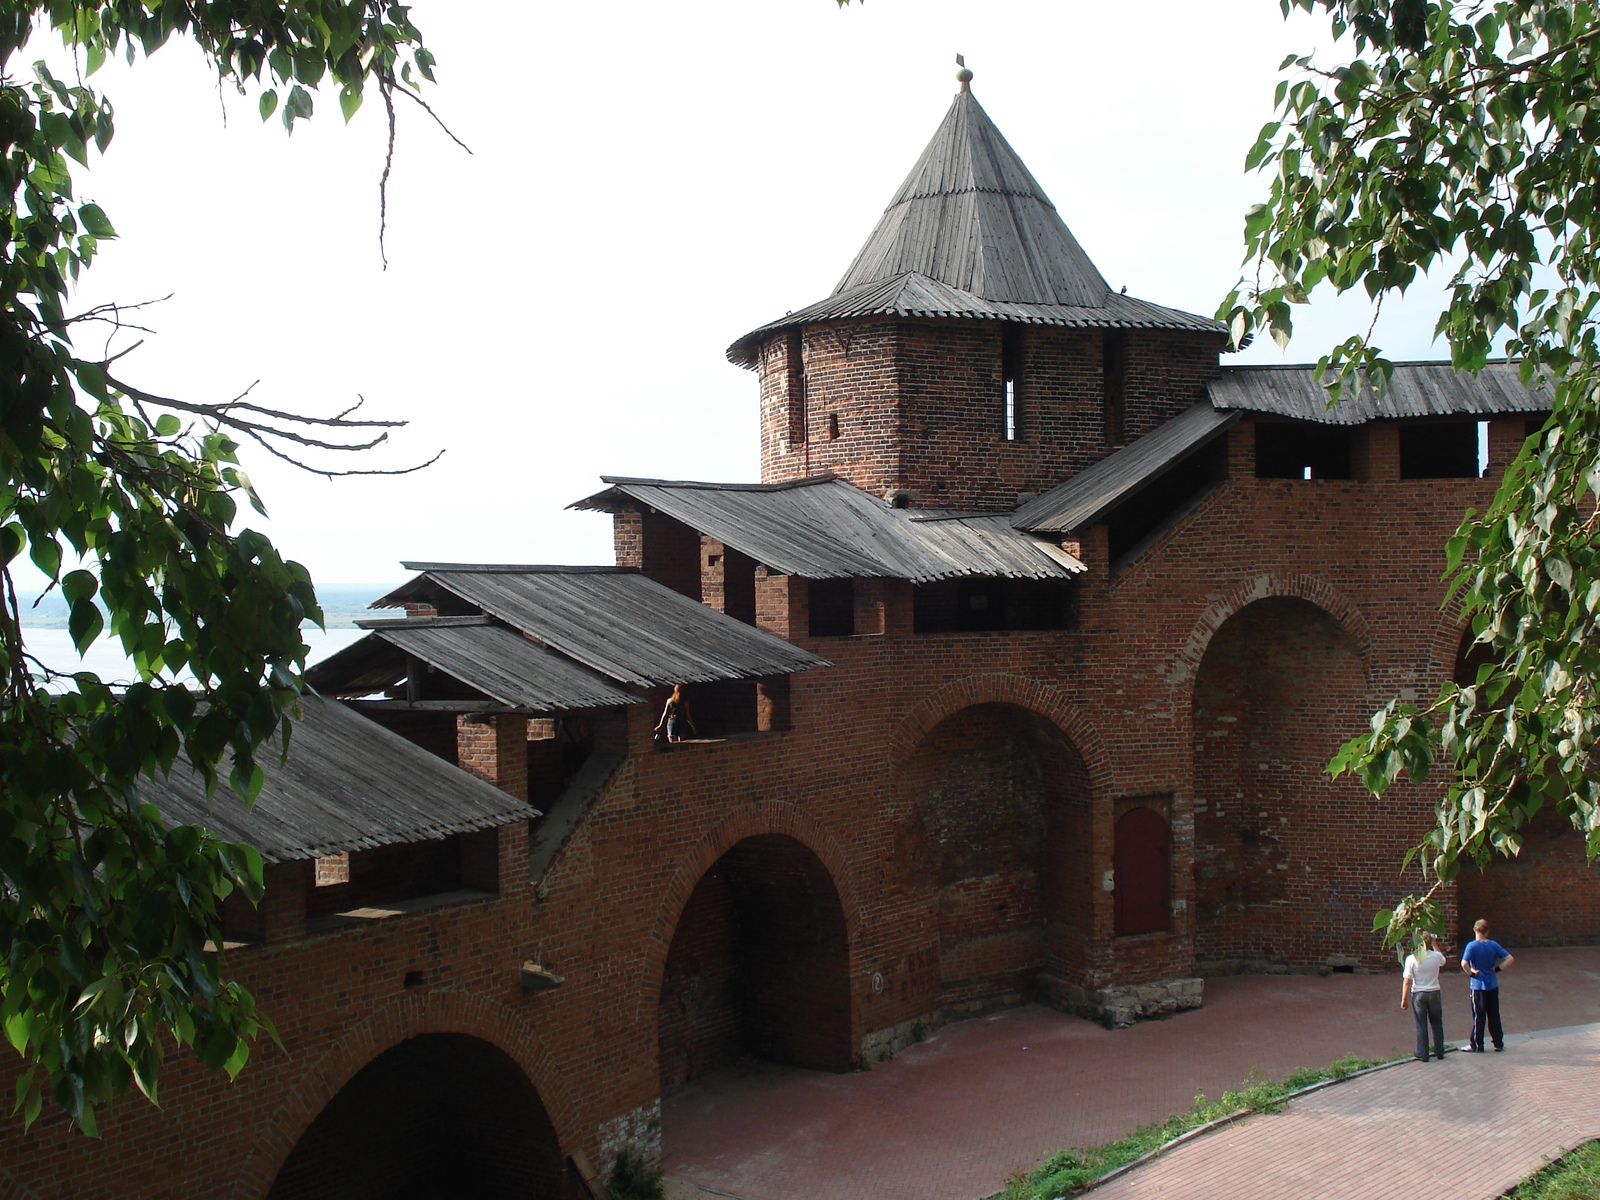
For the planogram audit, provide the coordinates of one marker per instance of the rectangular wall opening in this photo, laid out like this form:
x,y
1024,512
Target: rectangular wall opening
x,y
988,604
1439,450
388,880
1302,450
1011,358
832,607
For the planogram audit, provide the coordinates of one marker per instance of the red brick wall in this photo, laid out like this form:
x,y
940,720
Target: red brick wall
x,y
1280,688
919,405
1549,895
996,839
1120,688
758,965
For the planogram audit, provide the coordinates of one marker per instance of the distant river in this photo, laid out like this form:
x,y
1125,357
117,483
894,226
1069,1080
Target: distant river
x,y
54,648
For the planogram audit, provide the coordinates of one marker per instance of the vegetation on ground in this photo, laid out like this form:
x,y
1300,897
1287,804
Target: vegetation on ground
x,y
631,1179
1067,1171
1574,1176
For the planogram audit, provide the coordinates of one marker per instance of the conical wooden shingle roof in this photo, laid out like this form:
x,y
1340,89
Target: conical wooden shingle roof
x,y
972,216
971,234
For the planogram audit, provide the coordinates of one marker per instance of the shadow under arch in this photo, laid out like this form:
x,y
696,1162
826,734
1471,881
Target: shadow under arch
x,y
1185,666
997,840
758,965
1289,865
439,1114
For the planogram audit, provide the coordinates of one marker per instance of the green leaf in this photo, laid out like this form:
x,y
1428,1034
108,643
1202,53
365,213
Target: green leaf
x,y
95,221
268,104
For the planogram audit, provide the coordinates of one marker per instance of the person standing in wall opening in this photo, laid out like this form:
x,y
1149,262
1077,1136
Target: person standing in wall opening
x,y
675,716
1483,960
1419,990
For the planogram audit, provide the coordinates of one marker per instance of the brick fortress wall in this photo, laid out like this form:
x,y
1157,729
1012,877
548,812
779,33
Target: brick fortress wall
x,y
898,758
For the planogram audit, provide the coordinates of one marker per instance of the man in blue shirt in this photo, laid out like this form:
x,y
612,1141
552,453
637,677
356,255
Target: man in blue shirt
x,y
1482,960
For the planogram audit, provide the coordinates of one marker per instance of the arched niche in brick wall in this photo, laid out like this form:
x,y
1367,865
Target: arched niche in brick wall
x,y
997,841
438,1114
1289,865
758,966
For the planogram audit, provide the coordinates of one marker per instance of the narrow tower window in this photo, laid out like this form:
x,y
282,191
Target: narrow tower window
x,y
1115,373
796,389
1011,376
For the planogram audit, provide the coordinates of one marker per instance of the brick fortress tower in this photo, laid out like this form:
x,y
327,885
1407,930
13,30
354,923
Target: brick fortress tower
x,y
972,355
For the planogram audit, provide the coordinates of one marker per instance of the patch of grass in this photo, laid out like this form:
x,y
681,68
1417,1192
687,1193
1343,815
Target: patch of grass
x,y
632,1180
1066,1171
1573,1176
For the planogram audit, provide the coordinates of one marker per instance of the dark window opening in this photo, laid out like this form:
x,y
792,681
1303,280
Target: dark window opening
x,y
833,427
989,604
795,386
1302,450
1011,358
832,608
1142,873
1114,368
1165,499
1439,450
557,748
730,707
388,879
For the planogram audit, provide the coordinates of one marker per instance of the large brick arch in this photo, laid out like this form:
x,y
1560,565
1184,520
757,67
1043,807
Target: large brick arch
x,y
1049,702
321,1077
769,817
1185,665
1444,645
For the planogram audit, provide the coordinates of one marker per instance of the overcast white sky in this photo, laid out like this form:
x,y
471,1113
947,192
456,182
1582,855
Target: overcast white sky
x,y
648,181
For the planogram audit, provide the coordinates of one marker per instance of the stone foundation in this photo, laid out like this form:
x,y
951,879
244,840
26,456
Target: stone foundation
x,y
883,1044
1119,1006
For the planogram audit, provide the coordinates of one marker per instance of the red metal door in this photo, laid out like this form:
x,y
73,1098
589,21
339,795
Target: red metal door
x,y
1143,896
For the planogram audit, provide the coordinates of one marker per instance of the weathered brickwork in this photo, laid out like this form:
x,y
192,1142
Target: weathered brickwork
x,y
921,831
919,405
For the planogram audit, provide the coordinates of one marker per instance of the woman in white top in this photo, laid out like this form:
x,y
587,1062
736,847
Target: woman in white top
x,y
1419,991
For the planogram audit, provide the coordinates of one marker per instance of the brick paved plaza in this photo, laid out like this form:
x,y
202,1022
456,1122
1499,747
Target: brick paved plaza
x,y
952,1118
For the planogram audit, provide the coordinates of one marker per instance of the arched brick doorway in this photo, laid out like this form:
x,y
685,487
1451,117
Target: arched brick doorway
x,y
1289,866
440,1114
998,841
758,966
1548,895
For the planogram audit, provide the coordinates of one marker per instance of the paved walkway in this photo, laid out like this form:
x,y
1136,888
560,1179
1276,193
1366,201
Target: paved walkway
x,y
953,1118
1466,1128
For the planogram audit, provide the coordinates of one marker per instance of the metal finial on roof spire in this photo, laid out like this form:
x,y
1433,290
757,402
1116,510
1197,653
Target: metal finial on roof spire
x,y
963,76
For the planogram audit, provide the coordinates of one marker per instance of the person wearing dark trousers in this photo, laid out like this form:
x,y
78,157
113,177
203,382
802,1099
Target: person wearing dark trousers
x,y
1419,990
1483,960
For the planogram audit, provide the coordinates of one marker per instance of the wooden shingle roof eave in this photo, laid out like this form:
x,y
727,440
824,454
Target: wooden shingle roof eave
x,y
917,297
825,528
1416,389
1097,489
616,622
348,784
498,662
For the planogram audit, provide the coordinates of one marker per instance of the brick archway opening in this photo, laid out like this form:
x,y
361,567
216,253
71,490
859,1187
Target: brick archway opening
x,y
438,1114
1289,865
758,966
998,838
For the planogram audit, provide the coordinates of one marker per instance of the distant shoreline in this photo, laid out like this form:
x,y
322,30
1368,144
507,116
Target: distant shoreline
x,y
343,604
